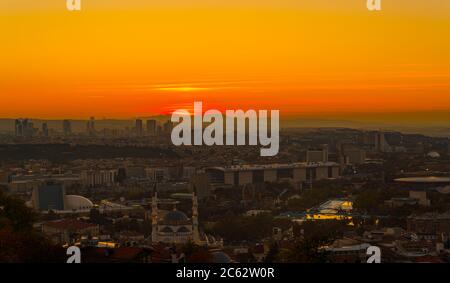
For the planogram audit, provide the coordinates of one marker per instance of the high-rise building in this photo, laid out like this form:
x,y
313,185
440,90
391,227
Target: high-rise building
x,y
139,127
90,126
45,129
30,130
381,144
19,128
151,127
168,127
24,128
49,196
67,128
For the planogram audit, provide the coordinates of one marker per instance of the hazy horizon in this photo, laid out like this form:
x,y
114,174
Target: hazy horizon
x,y
419,124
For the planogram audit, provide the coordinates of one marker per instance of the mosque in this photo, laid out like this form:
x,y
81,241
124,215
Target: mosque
x,y
174,227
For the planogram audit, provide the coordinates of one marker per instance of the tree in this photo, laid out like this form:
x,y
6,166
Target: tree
x,y
308,251
18,241
272,254
244,228
314,235
196,254
15,214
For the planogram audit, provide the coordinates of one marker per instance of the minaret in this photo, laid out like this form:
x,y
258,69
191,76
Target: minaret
x,y
155,218
195,234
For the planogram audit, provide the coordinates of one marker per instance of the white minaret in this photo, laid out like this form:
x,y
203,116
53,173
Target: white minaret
x,y
155,218
195,234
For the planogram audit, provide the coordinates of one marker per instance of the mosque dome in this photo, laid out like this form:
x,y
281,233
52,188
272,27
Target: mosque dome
x,y
175,217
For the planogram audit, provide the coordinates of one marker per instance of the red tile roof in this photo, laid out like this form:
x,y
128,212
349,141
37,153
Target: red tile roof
x,y
126,253
69,224
428,259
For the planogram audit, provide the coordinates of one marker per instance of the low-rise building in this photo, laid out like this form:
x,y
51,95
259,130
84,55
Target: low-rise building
x,y
99,178
429,225
68,231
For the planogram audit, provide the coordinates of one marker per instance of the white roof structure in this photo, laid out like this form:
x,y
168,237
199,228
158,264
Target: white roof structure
x,y
433,154
74,202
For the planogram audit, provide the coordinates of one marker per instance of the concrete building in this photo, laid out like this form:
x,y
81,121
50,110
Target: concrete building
x,y
24,128
381,144
52,196
347,251
68,231
399,202
429,225
354,157
26,183
90,127
135,172
45,129
67,128
320,155
99,178
139,127
157,174
295,172
49,196
201,185
151,127
168,126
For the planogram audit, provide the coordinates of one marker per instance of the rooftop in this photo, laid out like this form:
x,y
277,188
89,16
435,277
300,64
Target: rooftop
x,y
251,167
175,217
69,224
431,179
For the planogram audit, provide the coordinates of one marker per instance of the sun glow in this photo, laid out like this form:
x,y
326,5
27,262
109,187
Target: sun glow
x,y
183,89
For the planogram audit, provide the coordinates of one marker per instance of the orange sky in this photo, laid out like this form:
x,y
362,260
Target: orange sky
x,y
129,58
